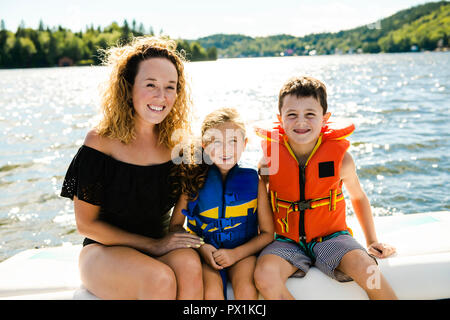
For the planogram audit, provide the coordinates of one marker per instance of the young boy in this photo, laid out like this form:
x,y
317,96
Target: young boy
x,y
306,163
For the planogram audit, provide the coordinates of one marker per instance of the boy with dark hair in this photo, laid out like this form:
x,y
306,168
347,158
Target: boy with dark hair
x,y
307,163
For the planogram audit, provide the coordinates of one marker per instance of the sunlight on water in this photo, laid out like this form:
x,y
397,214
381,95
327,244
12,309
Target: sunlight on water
x,y
398,102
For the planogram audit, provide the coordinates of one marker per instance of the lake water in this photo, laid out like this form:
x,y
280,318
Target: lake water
x,y
398,102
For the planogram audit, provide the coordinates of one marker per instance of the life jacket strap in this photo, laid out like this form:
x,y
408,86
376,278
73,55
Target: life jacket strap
x,y
331,200
194,220
231,197
187,214
273,201
224,223
333,235
220,237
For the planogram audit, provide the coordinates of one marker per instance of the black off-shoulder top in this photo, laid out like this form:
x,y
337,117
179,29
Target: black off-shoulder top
x,y
132,197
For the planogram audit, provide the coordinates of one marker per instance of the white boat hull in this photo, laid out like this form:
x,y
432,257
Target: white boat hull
x,y
419,270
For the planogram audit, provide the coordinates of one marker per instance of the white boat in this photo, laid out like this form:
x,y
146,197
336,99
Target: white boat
x,y
419,270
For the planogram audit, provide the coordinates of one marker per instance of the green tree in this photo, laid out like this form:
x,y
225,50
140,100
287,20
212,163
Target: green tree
x,y
197,52
41,26
184,48
23,51
126,33
73,47
211,53
141,29
53,50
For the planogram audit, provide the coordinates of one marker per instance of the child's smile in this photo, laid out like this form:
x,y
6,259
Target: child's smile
x,y
302,131
224,145
302,119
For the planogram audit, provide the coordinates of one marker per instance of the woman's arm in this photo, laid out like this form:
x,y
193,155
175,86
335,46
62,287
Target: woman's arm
x,y
227,257
177,225
88,224
177,220
362,208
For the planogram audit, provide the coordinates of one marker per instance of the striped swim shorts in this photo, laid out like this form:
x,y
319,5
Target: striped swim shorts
x,y
327,254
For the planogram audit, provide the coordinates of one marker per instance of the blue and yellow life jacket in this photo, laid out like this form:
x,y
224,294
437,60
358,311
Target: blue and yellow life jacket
x,y
224,213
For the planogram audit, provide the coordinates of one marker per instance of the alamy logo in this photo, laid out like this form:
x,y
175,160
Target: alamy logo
x,y
188,151
374,280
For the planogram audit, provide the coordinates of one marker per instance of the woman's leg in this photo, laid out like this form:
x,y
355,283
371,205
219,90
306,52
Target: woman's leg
x,y
271,274
212,283
119,272
188,271
241,276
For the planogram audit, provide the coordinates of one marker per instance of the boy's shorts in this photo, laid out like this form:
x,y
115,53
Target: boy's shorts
x,y
328,255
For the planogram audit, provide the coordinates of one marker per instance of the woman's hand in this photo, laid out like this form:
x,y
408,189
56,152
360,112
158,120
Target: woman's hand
x,y
381,250
224,257
207,252
175,240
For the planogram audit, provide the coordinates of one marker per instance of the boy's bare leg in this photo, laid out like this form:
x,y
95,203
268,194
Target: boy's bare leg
x,y
271,274
364,271
241,277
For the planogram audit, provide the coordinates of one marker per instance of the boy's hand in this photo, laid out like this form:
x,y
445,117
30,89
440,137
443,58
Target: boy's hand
x,y
224,257
381,250
207,252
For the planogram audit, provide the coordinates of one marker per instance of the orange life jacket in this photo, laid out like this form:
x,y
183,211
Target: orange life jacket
x,y
307,201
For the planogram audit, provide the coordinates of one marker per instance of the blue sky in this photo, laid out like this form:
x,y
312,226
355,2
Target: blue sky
x,y
191,19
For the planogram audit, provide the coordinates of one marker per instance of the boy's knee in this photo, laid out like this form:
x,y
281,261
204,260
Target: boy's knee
x,y
265,274
358,263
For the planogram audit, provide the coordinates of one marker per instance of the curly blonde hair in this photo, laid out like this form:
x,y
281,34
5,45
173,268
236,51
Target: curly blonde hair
x,y
193,172
116,100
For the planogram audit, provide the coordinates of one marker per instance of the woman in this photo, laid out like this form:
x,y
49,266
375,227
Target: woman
x,y
121,184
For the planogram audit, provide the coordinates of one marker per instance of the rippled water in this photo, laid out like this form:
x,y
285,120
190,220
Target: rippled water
x,y
399,103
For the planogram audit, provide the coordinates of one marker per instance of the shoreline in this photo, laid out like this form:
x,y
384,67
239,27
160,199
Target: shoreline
x,y
251,57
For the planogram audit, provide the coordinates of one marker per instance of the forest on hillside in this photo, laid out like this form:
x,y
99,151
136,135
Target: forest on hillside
x,y
48,47
421,28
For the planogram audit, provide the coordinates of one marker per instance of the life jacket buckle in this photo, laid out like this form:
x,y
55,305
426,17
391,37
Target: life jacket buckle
x,y
302,205
223,236
223,223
